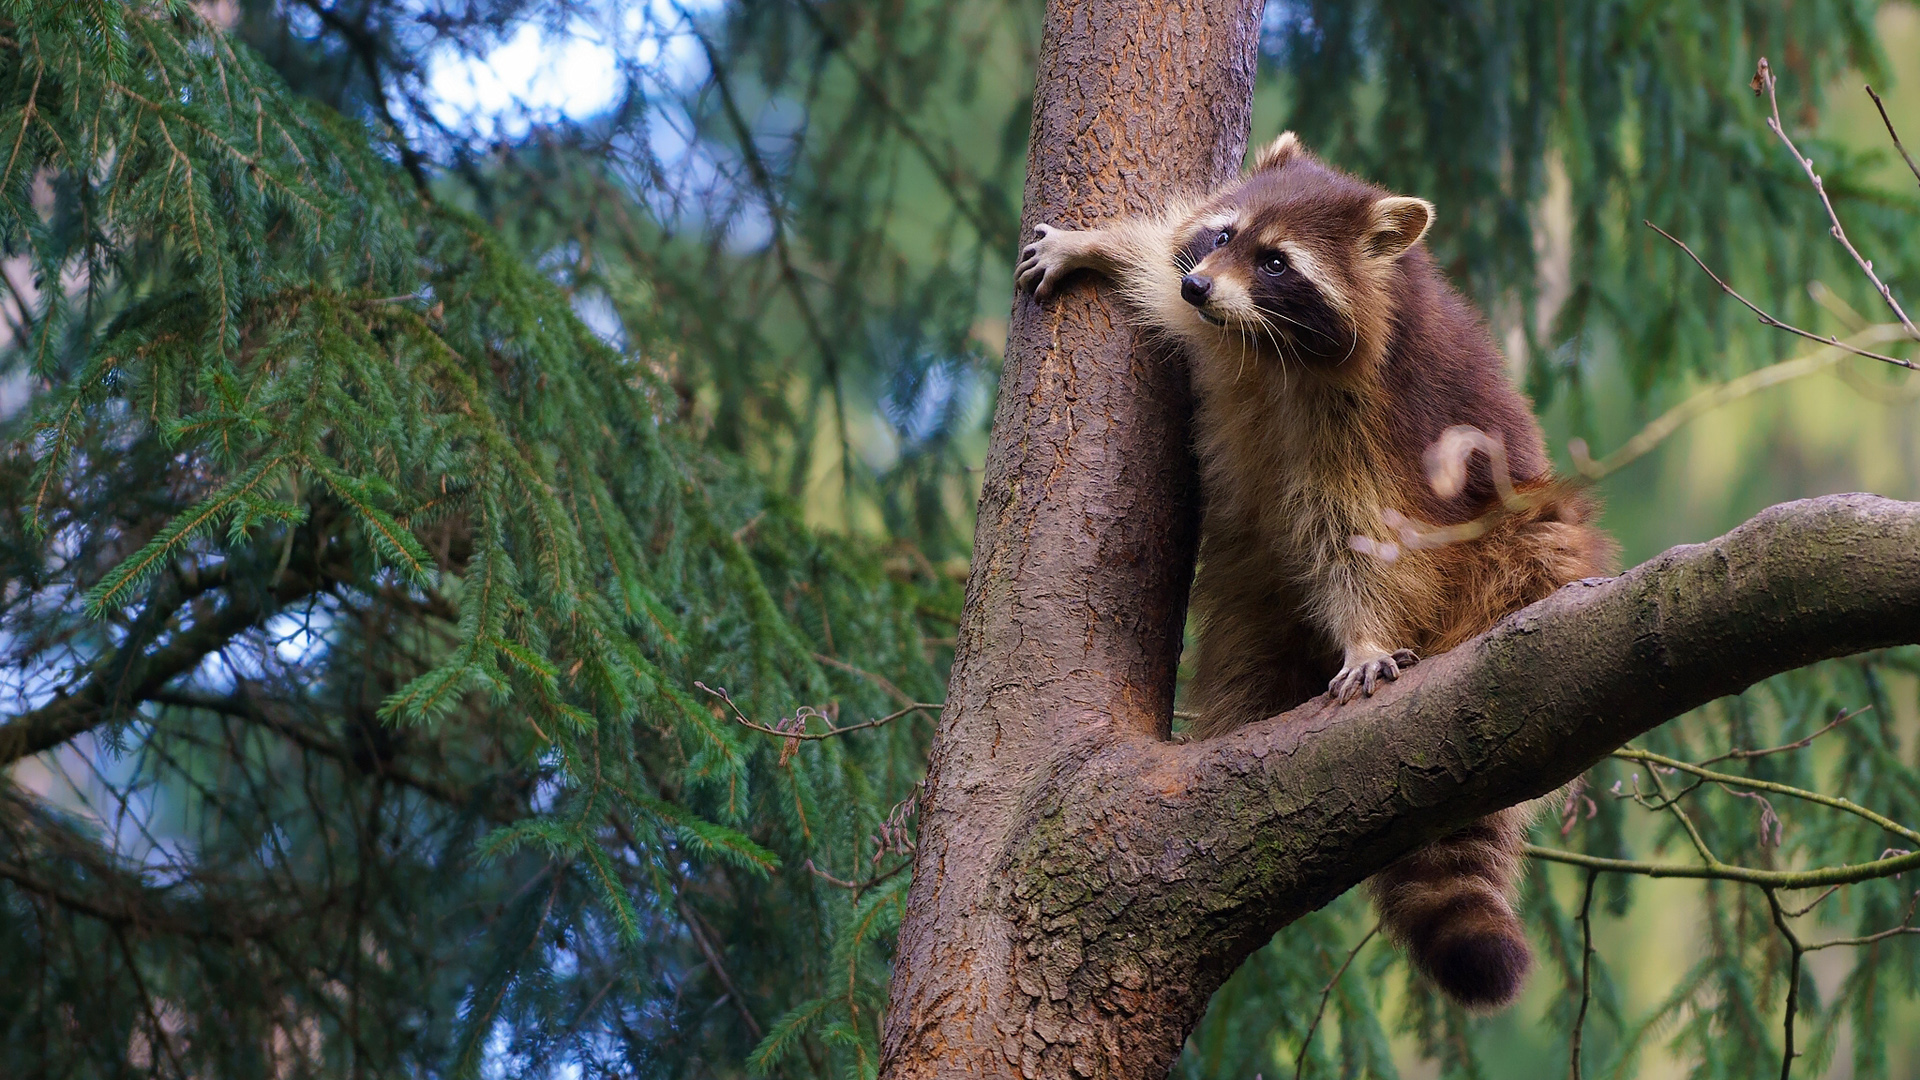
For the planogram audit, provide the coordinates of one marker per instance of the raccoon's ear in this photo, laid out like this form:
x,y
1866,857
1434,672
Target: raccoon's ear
x,y
1398,223
1278,152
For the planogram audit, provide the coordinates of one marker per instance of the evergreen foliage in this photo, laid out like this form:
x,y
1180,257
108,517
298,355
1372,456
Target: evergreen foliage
x,y
388,484
379,586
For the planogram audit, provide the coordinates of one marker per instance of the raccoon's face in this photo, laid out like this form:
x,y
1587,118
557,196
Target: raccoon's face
x,y
1247,277
1297,261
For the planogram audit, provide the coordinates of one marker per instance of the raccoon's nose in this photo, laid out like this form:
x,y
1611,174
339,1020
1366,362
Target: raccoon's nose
x,y
1195,289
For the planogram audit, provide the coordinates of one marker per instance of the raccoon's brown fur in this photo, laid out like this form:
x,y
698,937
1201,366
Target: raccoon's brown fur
x,y
1328,355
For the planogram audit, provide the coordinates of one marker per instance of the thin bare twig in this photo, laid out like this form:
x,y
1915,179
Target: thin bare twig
x,y
696,931
1628,753
1813,903
1845,874
1300,1062
154,1023
1769,320
876,679
1894,135
942,167
1897,931
711,955
1671,804
799,719
1793,982
1586,975
1663,426
1763,79
1868,939
855,887
1748,755
763,182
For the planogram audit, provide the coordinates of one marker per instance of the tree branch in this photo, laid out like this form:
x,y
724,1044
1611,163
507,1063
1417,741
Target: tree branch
x,y
264,712
1226,840
1319,1013
366,46
1725,779
1553,688
762,179
1849,874
1586,976
121,681
994,232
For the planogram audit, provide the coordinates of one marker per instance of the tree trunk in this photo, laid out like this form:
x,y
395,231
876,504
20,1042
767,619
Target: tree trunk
x,y
1082,884
1082,554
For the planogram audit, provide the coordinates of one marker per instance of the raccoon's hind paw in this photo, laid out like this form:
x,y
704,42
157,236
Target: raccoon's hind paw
x,y
1052,256
1361,678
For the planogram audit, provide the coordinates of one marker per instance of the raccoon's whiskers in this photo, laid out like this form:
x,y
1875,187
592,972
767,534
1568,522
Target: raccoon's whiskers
x,y
1354,325
1274,335
1314,330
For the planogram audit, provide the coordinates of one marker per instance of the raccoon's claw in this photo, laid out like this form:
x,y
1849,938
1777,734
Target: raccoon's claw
x,y
1356,680
1044,262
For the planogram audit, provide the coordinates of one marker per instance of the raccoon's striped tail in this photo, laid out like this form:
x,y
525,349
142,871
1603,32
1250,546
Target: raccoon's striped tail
x,y
1451,906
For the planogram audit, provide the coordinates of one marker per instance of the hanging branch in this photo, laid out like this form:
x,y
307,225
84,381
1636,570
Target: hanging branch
x,y
763,183
942,167
855,887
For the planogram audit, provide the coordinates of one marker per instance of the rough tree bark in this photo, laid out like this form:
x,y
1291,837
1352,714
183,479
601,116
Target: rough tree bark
x,y
1082,884
1084,547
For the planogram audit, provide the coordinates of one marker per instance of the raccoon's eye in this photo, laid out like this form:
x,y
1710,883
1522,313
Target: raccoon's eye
x,y
1221,240
1273,265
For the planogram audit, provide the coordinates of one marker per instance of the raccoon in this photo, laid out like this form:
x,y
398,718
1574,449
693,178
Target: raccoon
x,y
1344,390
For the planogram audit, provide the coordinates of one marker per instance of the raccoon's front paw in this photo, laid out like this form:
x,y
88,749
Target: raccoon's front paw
x,y
1360,677
1053,255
